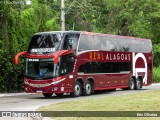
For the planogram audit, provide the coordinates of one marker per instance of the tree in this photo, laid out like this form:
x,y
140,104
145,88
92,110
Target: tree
x,y
86,15
18,23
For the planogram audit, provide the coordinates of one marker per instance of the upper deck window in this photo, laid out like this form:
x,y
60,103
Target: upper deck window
x,y
70,41
114,43
86,43
44,43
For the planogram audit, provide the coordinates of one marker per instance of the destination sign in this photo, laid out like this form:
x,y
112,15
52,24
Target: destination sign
x,y
33,60
42,50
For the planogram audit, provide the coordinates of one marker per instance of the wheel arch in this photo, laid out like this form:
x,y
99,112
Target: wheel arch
x,y
134,77
81,81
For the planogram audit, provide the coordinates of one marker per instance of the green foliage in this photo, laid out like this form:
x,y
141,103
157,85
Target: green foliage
x,y
86,15
156,75
156,55
51,25
155,25
18,23
131,17
10,74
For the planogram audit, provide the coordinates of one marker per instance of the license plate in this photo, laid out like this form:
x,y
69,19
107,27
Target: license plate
x,y
39,91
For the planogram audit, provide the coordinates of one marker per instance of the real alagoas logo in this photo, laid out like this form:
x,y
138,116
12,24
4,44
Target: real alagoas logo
x,y
138,70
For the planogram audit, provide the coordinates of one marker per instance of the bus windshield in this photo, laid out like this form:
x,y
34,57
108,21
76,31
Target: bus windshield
x,y
44,43
40,68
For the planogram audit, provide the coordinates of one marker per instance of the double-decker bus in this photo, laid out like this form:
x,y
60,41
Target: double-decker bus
x,y
80,63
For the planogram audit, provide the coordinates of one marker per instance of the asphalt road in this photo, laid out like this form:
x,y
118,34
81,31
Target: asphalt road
x,y
32,102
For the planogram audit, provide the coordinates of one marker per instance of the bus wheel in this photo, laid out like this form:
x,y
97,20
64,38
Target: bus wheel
x,y
132,84
77,89
87,88
59,94
138,84
47,95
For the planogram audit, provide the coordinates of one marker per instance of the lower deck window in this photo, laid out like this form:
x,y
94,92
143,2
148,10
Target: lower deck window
x,y
107,67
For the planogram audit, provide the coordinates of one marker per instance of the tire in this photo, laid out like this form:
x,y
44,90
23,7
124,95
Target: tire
x,y
59,94
47,95
138,84
87,88
132,84
77,89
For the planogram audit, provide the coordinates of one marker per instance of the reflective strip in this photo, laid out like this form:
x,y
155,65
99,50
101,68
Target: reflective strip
x,y
56,82
122,72
45,85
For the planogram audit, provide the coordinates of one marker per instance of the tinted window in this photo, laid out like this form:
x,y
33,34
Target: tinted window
x,y
107,67
86,43
97,42
148,46
108,43
143,46
103,43
70,41
66,65
112,43
116,67
90,67
44,43
139,46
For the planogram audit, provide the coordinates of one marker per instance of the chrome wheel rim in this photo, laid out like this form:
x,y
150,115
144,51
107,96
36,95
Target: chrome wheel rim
x,y
138,84
88,88
77,89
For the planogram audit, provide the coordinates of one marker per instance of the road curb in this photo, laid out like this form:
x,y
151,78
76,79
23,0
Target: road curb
x,y
23,93
14,94
155,84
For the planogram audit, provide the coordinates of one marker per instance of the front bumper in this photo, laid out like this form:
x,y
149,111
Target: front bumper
x,y
47,86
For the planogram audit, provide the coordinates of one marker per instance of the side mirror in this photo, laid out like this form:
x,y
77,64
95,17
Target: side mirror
x,y
16,58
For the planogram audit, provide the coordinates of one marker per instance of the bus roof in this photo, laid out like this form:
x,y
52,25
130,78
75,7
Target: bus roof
x,y
114,36
91,33
54,32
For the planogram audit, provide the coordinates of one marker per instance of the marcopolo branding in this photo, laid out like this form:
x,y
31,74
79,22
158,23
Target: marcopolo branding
x,y
139,70
42,50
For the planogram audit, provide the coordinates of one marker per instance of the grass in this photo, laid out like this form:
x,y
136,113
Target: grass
x,y
156,74
142,101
